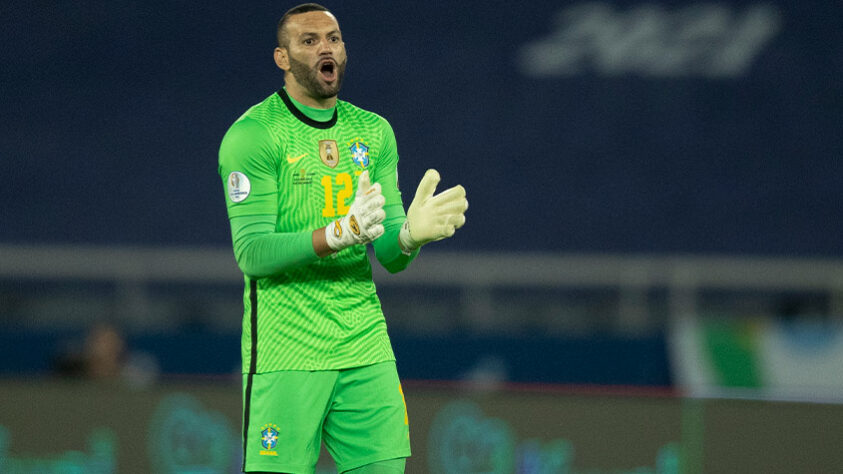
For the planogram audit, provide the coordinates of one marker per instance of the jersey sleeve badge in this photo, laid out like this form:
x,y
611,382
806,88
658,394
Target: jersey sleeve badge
x,y
238,186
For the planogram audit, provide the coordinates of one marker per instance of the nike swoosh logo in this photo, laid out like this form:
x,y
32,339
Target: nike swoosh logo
x,y
293,159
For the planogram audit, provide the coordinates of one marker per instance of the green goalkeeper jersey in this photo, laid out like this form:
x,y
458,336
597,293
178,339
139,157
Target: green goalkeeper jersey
x,y
278,161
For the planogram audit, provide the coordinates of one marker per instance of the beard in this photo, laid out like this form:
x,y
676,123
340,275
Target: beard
x,y
308,77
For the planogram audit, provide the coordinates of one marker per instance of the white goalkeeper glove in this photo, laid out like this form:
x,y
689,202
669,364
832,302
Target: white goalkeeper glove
x,y
430,217
363,223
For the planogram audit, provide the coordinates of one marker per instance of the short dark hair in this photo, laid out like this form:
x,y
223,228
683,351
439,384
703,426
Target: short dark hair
x,y
283,39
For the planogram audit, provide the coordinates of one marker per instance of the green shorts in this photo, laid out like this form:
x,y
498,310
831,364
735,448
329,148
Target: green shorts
x,y
359,413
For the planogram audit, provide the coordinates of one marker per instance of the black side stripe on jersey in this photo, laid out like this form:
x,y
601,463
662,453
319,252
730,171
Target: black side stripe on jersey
x,y
253,317
253,362
304,118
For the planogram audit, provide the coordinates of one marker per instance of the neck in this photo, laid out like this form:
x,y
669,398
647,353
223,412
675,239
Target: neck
x,y
301,95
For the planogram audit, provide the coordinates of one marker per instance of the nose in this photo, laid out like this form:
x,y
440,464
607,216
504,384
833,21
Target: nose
x,y
326,48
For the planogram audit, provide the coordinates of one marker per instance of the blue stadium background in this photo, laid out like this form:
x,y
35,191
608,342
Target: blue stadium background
x,y
113,113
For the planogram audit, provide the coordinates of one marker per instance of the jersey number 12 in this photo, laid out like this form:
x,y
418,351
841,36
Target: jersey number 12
x,y
345,188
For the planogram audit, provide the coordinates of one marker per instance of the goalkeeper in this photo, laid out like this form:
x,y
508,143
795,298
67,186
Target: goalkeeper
x,y
310,180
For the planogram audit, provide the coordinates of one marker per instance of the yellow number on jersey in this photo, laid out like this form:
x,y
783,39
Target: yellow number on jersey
x,y
344,181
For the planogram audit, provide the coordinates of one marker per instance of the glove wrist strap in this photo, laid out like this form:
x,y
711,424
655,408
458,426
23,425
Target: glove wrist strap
x,y
405,240
333,235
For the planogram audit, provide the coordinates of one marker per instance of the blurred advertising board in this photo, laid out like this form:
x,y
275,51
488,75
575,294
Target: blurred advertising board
x,y
795,359
69,427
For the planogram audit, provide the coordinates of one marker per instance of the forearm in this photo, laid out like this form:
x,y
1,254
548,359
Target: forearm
x,y
261,252
387,249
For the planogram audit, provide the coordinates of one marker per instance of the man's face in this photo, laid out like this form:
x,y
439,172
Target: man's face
x,y
316,53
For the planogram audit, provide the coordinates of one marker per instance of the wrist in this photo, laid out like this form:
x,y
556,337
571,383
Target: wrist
x,y
334,236
405,239
319,241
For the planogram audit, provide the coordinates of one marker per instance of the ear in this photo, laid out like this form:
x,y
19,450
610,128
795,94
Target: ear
x,y
282,58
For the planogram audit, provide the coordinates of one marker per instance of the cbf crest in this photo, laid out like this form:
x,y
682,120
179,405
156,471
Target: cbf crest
x,y
269,439
359,152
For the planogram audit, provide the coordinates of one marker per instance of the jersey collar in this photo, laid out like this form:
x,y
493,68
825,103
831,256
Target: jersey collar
x,y
304,118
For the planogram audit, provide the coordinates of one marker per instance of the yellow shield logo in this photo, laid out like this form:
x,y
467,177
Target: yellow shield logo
x,y
329,152
352,222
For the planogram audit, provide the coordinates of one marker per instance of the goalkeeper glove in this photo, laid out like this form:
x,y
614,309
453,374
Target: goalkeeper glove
x,y
432,217
362,224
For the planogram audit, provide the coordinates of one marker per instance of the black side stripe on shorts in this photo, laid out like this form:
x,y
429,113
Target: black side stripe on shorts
x,y
253,362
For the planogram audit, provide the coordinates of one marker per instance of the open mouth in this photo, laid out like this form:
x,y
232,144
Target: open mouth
x,y
328,70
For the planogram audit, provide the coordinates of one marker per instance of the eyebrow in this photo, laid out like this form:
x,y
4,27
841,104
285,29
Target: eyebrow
x,y
311,33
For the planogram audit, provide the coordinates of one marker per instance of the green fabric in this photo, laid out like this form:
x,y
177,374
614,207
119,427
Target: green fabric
x,y
312,314
320,115
260,251
387,249
358,413
393,466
